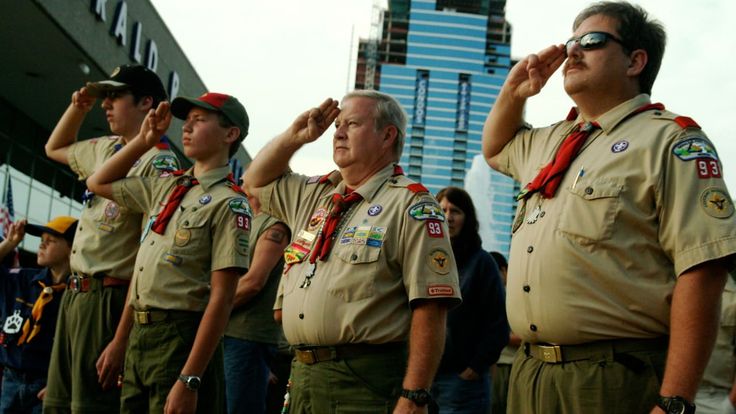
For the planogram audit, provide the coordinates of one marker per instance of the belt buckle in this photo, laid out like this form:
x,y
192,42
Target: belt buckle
x,y
143,317
309,356
551,353
75,283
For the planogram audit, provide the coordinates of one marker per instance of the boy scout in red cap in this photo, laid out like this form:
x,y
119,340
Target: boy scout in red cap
x,y
186,276
90,344
29,305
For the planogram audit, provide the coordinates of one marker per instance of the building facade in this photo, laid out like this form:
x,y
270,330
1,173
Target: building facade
x,y
445,61
52,48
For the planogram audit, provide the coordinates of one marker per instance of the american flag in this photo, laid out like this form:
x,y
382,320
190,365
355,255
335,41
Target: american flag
x,y
7,215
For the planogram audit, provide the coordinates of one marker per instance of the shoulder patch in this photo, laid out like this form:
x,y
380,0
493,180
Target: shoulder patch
x,y
165,162
686,122
693,148
426,210
239,205
716,203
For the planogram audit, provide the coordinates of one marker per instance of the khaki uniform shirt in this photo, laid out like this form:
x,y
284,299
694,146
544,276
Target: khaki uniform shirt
x,y
642,203
391,248
254,321
721,369
209,231
107,235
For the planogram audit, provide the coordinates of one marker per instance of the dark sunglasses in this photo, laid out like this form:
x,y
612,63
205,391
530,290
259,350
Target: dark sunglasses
x,y
112,95
593,40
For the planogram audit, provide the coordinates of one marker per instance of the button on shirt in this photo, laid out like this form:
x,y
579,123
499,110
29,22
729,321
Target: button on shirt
x,y
382,259
611,242
107,235
209,231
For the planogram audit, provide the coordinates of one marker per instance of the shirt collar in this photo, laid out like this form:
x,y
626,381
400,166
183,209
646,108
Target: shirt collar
x,y
616,115
369,189
211,177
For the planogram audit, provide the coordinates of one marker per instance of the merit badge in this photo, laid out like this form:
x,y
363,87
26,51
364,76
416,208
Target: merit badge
x,y
112,210
347,236
317,218
240,206
165,162
708,168
205,199
295,253
434,229
182,237
173,259
440,290
694,148
361,235
375,210
376,236
242,222
13,323
716,203
439,262
241,244
426,211
620,146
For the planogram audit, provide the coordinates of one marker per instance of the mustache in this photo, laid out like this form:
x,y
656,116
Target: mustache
x,y
573,62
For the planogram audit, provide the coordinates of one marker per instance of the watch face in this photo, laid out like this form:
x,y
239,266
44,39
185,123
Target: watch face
x,y
193,383
421,397
676,407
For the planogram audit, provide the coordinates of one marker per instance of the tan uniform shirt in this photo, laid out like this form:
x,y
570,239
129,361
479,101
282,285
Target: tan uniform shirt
x,y
107,234
209,231
642,203
391,248
721,369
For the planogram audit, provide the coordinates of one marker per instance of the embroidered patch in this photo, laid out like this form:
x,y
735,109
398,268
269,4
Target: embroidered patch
x,y
620,146
313,179
182,237
240,206
708,168
242,222
426,211
440,290
434,229
241,244
165,162
716,203
205,199
173,259
13,323
317,218
375,210
361,235
694,148
112,210
295,253
439,262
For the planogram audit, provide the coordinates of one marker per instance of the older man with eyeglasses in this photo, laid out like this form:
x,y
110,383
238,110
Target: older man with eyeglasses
x,y
624,228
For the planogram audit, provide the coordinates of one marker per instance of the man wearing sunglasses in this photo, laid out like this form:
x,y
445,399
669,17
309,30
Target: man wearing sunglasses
x,y
623,233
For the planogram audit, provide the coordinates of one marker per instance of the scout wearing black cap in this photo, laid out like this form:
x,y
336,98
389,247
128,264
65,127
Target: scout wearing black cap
x,y
138,79
62,226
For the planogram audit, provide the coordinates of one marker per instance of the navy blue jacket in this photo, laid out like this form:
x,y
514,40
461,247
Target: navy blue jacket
x,y
19,289
477,330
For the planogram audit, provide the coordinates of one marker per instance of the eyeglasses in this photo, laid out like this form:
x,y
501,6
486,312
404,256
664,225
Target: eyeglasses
x,y
593,40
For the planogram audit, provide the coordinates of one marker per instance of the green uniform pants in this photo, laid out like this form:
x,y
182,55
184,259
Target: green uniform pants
x,y
87,323
605,383
500,388
153,361
369,383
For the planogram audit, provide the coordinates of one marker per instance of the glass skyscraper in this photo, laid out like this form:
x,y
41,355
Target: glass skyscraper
x,y
445,61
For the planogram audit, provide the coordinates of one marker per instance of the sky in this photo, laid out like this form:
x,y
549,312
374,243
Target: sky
x,y
281,58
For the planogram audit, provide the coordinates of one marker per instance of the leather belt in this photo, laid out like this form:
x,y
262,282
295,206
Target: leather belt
x,y
151,316
313,354
78,282
555,354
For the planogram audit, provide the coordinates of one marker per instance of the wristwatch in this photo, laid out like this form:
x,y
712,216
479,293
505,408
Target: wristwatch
x,y
192,382
420,397
675,405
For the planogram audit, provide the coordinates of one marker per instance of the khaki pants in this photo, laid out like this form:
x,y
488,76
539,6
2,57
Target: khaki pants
x,y
605,383
153,361
359,384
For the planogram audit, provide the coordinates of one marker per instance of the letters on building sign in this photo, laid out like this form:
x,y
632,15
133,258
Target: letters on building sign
x,y
119,31
420,100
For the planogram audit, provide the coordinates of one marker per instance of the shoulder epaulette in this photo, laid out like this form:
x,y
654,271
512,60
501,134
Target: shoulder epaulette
x,y
417,188
686,122
321,179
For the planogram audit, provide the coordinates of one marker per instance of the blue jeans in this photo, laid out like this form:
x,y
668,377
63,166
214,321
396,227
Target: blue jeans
x,y
455,395
246,375
19,392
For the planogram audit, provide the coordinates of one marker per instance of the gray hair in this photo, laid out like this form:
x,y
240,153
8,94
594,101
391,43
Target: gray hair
x,y
388,112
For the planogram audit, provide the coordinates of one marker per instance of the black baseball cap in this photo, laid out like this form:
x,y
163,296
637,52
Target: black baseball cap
x,y
135,78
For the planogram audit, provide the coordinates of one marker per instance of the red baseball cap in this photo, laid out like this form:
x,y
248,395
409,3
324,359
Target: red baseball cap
x,y
215,102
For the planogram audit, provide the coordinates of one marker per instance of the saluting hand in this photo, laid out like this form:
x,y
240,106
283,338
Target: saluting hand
x,y
82,100
311,124
155,124
529,76
16,232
